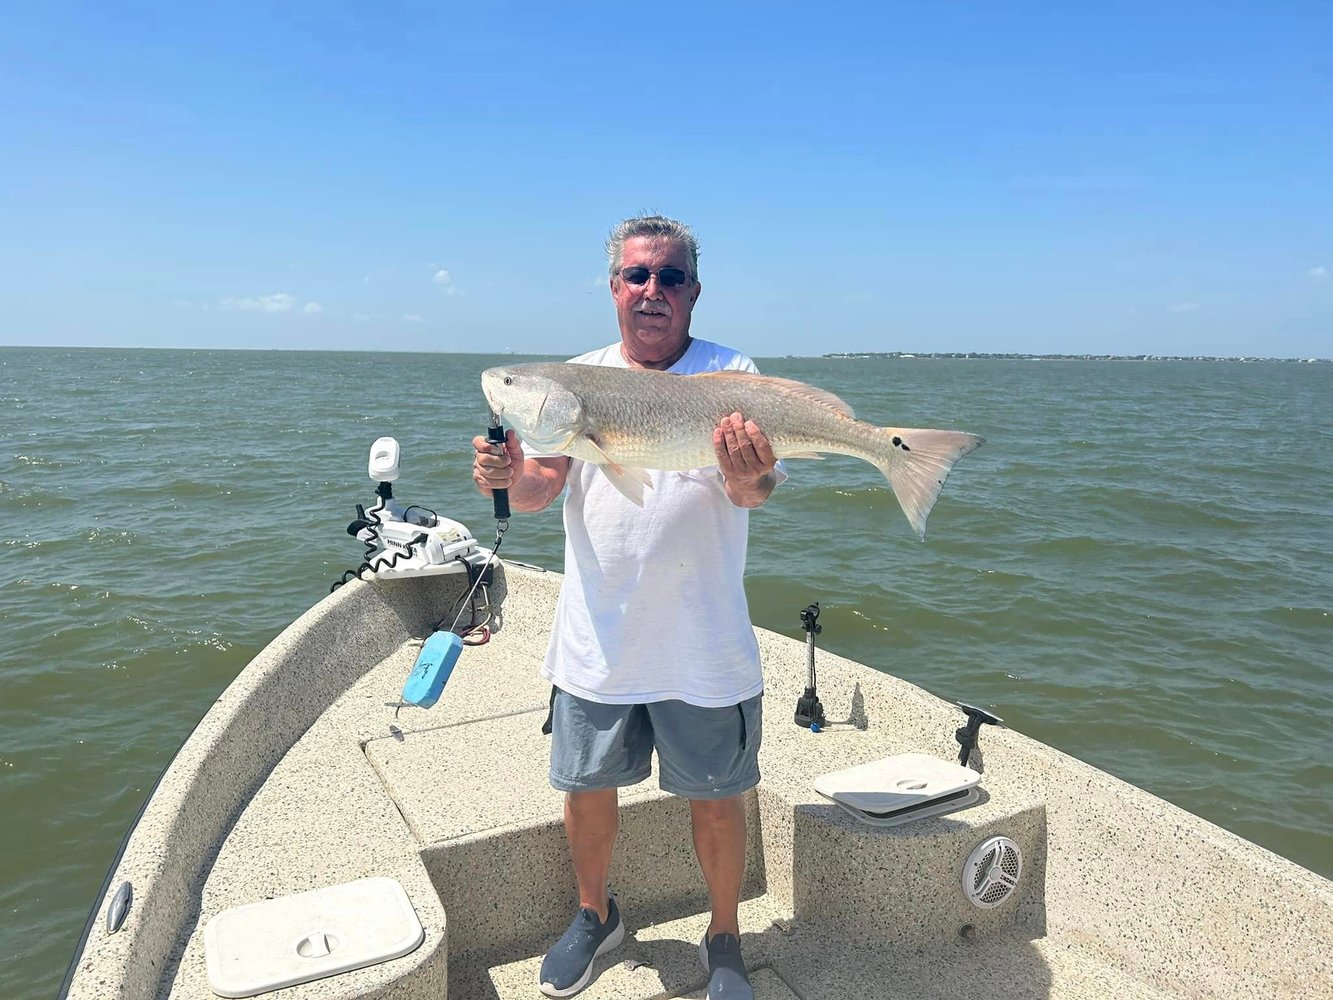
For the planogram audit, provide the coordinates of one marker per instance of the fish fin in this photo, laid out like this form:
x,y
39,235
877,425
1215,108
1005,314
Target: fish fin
x,y
917,464
820,397
630,482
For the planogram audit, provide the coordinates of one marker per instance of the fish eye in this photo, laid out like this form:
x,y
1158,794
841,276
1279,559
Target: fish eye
x,y
509,380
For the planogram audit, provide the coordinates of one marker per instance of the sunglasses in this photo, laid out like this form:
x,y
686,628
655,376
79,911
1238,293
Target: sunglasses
x,y
667,277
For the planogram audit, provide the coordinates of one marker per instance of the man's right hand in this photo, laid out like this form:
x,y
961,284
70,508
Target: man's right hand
x,y
495,467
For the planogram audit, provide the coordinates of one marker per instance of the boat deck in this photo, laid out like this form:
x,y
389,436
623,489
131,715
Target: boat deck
x,y
791,959
1122,895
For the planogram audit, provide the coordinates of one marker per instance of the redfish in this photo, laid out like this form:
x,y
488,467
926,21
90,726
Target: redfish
x,y
627,420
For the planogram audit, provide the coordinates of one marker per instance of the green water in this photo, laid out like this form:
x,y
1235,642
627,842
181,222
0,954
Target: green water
x,y
1137,568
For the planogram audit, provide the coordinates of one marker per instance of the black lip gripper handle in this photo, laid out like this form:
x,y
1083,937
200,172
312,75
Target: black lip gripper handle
x,y
495,434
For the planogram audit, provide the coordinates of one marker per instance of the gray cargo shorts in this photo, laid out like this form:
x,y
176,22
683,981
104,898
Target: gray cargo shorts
x,y
702,753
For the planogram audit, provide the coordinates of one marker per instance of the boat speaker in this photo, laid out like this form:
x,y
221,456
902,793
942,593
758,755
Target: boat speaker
x,y
991,873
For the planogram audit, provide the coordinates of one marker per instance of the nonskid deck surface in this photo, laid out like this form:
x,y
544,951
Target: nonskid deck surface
x,y
471,791
323,815
791,959
453,802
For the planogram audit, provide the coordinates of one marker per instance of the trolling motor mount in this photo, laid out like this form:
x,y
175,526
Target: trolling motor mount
x,y
809,711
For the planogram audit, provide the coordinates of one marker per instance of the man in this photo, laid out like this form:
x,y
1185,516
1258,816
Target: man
x,y
634,664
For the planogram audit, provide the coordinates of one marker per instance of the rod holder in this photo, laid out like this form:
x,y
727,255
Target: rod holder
x,y
809,710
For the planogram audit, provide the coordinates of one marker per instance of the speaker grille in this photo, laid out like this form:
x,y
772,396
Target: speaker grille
x,y
992,872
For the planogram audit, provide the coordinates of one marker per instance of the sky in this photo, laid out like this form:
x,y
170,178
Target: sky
x,y
1053,178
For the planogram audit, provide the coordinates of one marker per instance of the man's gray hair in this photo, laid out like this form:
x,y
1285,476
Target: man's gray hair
x,y
655,226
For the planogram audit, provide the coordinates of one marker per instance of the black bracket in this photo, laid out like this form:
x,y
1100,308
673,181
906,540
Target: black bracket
x,y
810,618
967,735
809,711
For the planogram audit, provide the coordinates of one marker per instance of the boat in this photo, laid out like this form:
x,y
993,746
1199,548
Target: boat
x,y
354,846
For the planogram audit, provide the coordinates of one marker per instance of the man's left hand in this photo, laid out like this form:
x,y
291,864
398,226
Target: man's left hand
x,y
745,459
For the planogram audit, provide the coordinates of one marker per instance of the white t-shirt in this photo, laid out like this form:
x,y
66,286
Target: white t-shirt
x,y
653,603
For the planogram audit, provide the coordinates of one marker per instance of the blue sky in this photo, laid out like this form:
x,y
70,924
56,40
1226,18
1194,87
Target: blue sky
x,y
1128,178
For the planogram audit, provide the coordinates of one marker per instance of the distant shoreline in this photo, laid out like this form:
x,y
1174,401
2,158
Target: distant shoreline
x,y
986,356
836,356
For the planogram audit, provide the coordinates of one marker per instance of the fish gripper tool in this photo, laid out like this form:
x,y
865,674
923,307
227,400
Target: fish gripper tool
x,y
495,434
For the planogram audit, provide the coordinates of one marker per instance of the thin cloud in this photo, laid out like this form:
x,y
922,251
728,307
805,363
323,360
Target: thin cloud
x,y
1183,307
412,318
1318,273
442,278
276,303
311,308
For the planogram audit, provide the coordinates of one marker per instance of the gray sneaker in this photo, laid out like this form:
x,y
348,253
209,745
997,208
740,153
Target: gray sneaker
x,y
567,967
722,960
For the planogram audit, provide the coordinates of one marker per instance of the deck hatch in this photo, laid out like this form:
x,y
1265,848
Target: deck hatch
x,y
900,788
264,946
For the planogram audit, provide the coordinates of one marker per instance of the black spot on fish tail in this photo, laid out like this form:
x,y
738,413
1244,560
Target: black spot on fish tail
x,y
898,443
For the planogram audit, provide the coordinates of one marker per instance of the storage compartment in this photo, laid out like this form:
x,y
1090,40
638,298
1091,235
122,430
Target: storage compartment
x,y
280,942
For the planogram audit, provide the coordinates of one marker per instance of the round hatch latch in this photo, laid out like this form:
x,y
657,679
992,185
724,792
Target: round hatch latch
x,y
317,945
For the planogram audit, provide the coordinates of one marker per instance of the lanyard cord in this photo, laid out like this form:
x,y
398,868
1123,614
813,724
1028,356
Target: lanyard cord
x,y
500,528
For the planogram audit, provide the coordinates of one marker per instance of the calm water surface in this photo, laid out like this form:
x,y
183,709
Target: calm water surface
x,y
1137,568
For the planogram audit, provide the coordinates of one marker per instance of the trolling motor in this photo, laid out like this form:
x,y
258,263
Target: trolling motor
x,y
809,711
403,540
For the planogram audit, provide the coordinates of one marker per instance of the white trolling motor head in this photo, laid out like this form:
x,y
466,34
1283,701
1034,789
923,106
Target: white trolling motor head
x,y
384,455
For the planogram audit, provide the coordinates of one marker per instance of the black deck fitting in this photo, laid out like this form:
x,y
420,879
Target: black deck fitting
x,y
967,735
809,710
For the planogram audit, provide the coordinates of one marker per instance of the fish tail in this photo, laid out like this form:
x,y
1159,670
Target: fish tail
x,y
917,462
